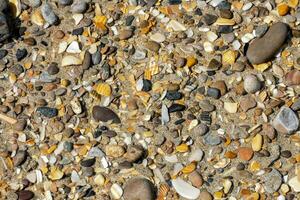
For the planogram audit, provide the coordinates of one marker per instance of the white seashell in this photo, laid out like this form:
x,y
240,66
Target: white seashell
x,y
184,189
171,159
62,47
70,60
176,26
158,37
73,47
196,155
165,117
193,124
76,106
39,176
77,17
227,184
211,36
31,177
236,45
116,191
247,6
139,85
208,47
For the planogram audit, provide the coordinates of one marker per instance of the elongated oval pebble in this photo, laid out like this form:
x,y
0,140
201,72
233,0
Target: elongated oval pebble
x,y
116,191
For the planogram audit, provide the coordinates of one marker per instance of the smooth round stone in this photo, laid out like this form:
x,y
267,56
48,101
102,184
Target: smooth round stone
x,y
292,77
20,125
200,130
251,84
86,63
53,69
139,188
196,179
214,93
272,181
212,140
205,195
176,107
25,195
79,6
264,49
48,14
105,114
209,19
88,162
19,158
245,153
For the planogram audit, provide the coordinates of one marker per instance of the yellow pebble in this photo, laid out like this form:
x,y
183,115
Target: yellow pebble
x,y
257,142
182,148
293,3
103,89
191,61
283,9
218,195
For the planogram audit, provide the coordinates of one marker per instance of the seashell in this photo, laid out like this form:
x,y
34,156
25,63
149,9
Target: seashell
x,y
182,148
62,47
103,89
37,18
229,57
292,78
227,184
189,168
73,47
165,117
77,18
224,21
70,60
230,107
100,22
163,190
184,189
55,174
95,95
15,7
222,163
262,67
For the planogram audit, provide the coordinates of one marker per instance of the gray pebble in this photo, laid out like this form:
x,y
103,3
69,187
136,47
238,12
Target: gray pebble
x,y
261,30
35,3
272,181
79,6
212,140
48,14
65,2
251,84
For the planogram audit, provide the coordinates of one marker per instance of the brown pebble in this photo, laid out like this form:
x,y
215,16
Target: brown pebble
x,y
59,34
205,195
196,179
245,153
125,34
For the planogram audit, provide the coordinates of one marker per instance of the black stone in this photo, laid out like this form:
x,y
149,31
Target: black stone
x,y
225,29
21,53
110,133
128,20
97,133
174,2
147,85
209,19
105,114
176,107
25,195
3,53
213,92
173,95
89,193
47,111
96,57
198,12
180,121
77,31
224,5
214,64
205,117
88,162
53,68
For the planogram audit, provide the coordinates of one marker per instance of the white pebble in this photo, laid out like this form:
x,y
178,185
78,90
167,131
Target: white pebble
x,y
208,47
73,47
247,38
236,45
211,36
116,191
247,6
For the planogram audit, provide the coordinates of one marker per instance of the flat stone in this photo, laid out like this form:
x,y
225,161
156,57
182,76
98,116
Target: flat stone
x,y
272,181
212,140
139,188
25,195
105,114
79,6
286,121
264,49
48,14
47,111
294,183
134,153
245,153
247,102
19,158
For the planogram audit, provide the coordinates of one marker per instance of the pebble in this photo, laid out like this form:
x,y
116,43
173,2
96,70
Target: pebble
x,y
25,195
53,69
257,142
173,95
21,54
35,3
294,183
245,153
65,2
196,155
184,189
48,14
286,121
158,37
261,30
19,158
214,93
200,129
88,162
79,6
115,151
116,191
134,153
251,83
125,34
273,181
205,195
139,188
247,102
196,179
212,140
292,77
264,49
47,111
4,28
105,114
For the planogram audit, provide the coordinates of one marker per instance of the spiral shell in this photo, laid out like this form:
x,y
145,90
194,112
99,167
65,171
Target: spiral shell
x,y
103,89
163,191
189,168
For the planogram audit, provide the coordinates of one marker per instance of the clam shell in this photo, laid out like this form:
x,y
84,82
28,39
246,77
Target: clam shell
x,y
37,18
70,60
103,89
229,57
